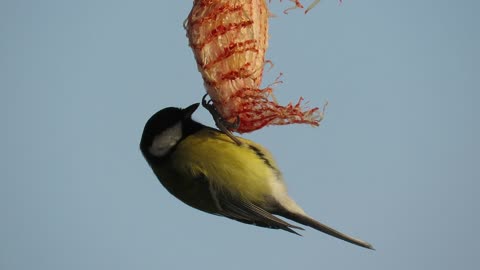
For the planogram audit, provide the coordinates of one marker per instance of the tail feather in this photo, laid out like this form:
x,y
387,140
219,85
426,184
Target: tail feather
x,y
308,221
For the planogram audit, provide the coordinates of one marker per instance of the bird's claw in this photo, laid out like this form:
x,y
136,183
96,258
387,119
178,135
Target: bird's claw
x,y
220,122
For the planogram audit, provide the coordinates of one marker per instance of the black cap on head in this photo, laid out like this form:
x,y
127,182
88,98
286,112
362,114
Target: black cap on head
x,y
165,119
168,117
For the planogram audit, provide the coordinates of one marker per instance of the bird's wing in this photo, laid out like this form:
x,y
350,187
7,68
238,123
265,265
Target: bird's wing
x,y
247,212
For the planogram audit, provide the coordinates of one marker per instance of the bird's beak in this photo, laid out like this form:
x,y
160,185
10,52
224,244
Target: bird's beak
x,y
187,112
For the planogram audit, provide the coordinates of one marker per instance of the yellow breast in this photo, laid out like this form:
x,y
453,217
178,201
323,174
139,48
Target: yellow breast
x,y
245,170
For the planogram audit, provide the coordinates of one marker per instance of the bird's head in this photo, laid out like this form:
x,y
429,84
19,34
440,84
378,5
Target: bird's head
x,y
164,130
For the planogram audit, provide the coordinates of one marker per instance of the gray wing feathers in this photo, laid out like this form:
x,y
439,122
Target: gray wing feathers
x,y
250,213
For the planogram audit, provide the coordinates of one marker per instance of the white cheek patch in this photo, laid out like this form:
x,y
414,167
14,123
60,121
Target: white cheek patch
x,y
163,142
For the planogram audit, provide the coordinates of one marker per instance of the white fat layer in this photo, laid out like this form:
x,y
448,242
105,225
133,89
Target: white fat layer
x,y
163,142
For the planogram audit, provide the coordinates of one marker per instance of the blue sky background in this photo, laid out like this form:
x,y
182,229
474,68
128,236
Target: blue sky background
x,y
395,161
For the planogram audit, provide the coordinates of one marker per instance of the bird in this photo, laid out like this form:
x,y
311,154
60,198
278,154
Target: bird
x,y
204,168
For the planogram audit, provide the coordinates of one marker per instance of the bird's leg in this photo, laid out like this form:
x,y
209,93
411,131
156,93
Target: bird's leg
x,y
220,122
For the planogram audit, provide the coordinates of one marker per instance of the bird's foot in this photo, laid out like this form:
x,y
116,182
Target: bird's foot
x,y
220,122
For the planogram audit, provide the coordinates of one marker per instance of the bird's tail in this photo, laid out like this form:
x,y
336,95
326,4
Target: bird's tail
x,y
308,221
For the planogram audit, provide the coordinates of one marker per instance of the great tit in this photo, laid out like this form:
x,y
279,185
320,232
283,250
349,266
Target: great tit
x,y
204,168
